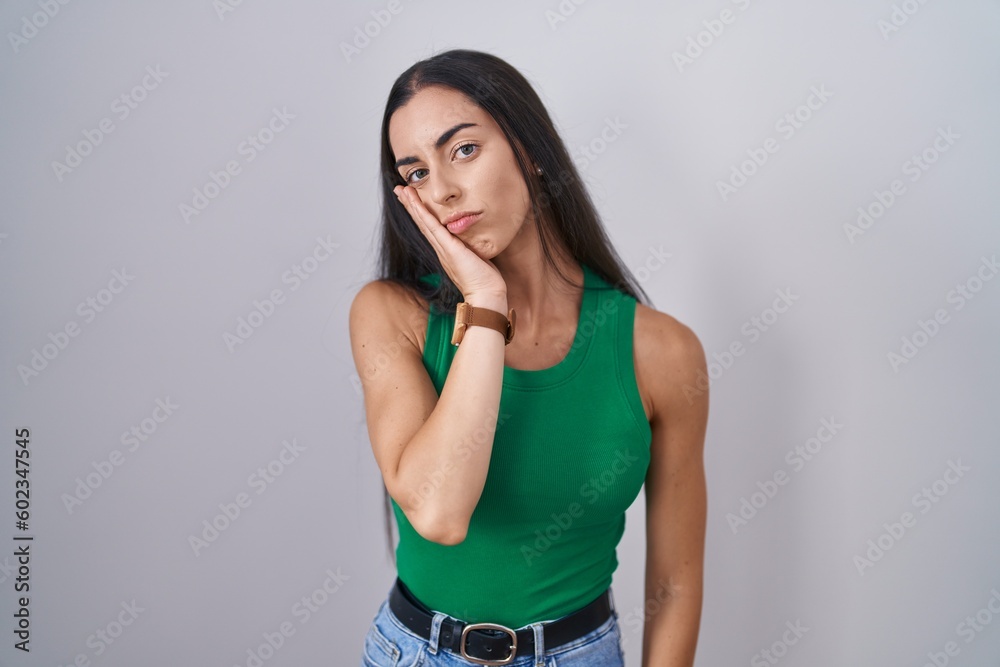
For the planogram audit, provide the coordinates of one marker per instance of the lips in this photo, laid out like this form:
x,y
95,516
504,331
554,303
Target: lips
x,y
464,220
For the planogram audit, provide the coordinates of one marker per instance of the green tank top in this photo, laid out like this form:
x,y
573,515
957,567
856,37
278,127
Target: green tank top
x,y
569,456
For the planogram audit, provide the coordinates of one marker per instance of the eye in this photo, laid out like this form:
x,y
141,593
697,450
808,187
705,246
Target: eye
x,y
469,144
407,177
466,145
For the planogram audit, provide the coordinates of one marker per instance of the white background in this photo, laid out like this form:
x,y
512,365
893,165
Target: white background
x,y
686,127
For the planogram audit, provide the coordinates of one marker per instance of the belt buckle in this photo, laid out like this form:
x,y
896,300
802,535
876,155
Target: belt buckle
x,y
489,626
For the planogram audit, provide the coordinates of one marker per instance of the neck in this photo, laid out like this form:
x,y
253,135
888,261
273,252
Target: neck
x,y
534,289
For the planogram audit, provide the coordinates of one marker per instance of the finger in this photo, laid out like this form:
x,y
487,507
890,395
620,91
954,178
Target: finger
x,y
438,235
416,214
425,223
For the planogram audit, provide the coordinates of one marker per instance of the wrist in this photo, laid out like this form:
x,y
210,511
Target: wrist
x,y
485,313
492,301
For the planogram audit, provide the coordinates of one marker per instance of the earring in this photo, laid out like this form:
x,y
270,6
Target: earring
x,y
538,170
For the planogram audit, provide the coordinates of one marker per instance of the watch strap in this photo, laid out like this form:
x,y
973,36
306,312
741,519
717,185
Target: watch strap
x,y
467,315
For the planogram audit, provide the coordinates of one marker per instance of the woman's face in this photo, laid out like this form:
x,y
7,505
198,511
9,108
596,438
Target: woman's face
x,y
457,159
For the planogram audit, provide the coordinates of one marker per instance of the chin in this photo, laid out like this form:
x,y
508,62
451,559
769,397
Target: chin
x,y
484,248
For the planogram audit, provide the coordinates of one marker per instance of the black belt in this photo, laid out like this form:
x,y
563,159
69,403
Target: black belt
x,y
491,643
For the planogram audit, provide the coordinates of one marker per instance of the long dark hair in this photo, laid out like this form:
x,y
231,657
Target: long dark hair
x,y
562,207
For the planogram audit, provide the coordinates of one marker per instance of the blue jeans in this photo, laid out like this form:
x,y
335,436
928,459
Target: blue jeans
x,y
389,643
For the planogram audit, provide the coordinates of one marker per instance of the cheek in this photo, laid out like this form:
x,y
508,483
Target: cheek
x,y
510,190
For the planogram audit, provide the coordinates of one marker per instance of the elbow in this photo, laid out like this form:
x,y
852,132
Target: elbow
x,y
448,537
433,527
439,525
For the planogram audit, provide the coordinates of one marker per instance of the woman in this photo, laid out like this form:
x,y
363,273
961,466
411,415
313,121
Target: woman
x,y
511,455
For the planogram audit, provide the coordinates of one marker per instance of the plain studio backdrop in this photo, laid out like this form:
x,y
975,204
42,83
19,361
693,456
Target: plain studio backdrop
x,y
190,203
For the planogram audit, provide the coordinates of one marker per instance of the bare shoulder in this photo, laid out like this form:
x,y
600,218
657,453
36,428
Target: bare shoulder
x,y
384,307
669,358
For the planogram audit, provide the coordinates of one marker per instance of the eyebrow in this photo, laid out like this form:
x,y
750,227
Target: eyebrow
x,y
448,134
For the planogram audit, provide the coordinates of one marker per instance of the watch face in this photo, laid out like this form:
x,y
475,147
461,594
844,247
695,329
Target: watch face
x,y
459,332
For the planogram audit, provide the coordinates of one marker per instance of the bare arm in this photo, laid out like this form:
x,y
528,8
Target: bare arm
x,y
431,450
676,501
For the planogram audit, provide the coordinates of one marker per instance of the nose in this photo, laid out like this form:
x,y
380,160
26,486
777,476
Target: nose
x,y
443,189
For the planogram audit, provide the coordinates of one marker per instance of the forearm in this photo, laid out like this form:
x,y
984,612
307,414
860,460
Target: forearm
x,y
670,635
444,467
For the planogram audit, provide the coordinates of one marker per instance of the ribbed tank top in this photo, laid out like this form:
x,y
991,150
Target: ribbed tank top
x,y
570,454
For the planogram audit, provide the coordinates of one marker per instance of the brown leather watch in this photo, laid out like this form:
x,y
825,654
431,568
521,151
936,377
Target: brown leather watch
x,y
468,316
